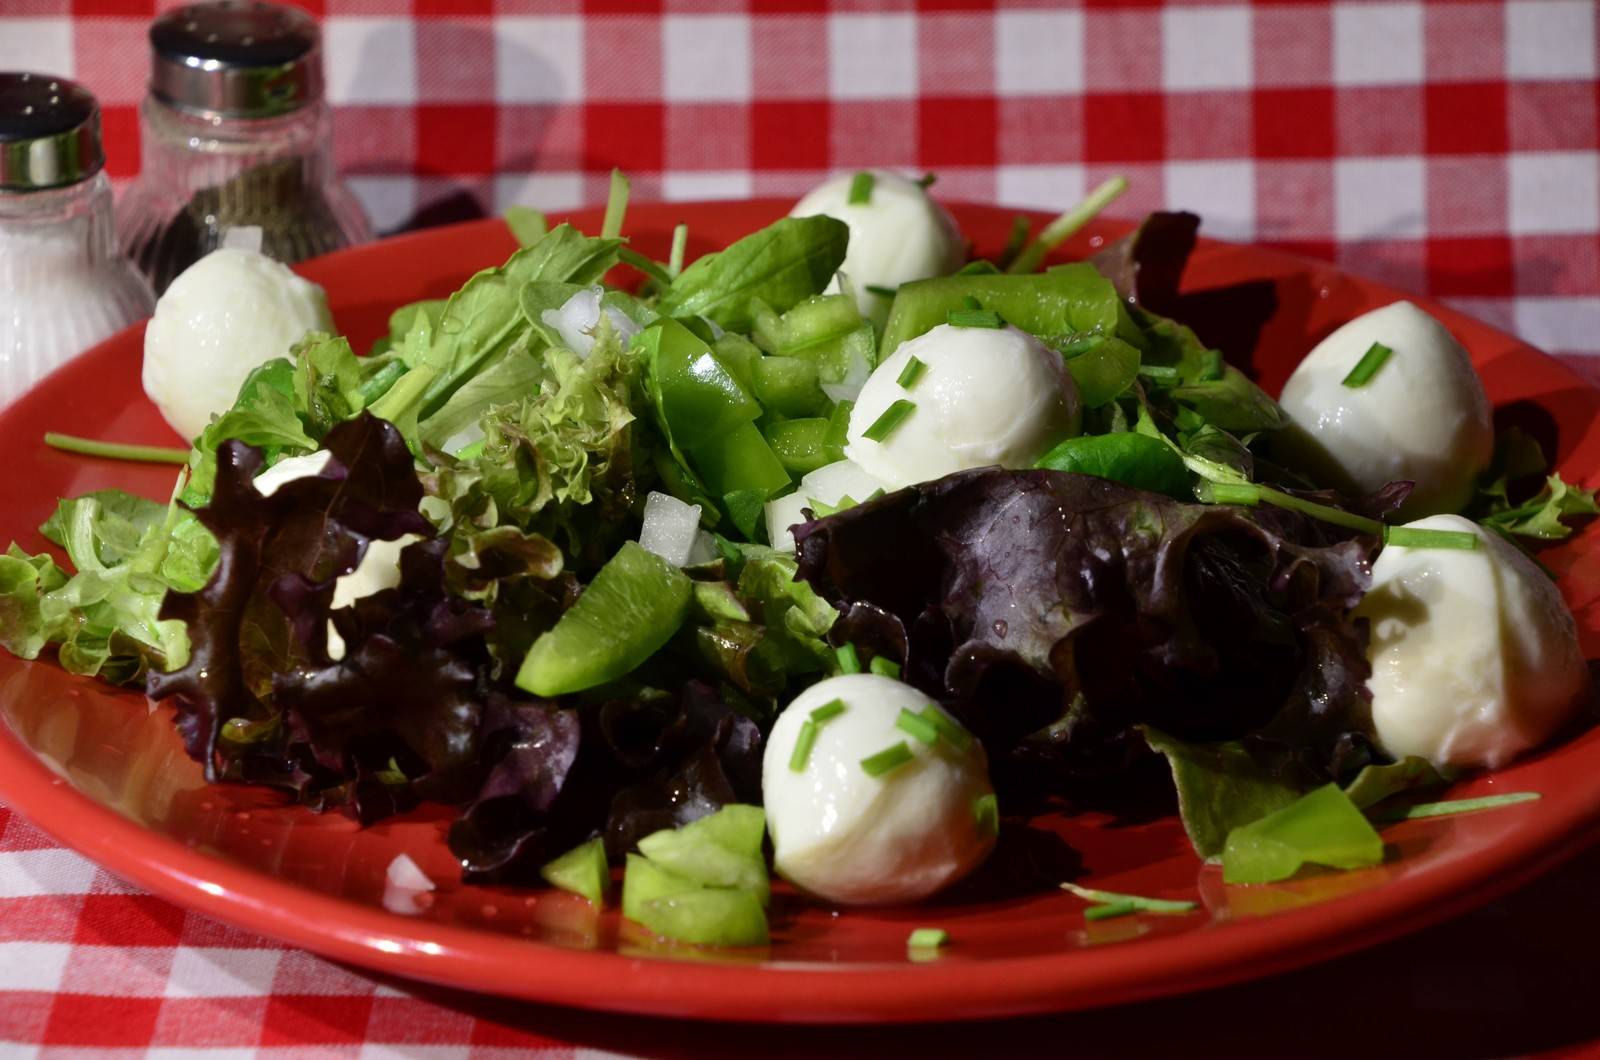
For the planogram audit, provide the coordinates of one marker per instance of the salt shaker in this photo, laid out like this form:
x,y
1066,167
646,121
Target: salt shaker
x,y
235,133
63,286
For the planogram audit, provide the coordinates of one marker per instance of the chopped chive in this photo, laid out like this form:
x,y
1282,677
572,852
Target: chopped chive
x,y
1416,537
1109,910
887,760
884,666
911,373
1233,493
1062,228
1161,373
653,269
861,188
885,424
1368,366
1020,227
1453,806
882,292
1248,494
953,733
917,726
680,243
616,206
927,180
927,938
986,811
1211,368
828,711
1149,905
146,454
849,661
802,746
974,318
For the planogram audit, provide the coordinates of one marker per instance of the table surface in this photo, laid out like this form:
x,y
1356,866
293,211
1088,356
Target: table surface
x,y
1446,147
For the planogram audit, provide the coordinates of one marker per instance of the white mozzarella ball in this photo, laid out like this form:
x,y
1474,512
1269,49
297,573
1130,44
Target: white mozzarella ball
x,y
223,317
857,839
1475,657
898,235
1423,417
828,485
987,396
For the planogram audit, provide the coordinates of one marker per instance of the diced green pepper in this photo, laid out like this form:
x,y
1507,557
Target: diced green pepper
x,y
739,459
581,870
645,881
1323,827
634,605
707,918
801,445
789,386
699,399
1074,300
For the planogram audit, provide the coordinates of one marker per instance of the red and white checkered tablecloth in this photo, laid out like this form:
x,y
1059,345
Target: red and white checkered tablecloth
x,y
1449,146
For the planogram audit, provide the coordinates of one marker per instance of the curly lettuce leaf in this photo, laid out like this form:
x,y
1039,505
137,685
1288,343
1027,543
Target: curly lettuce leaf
x,y
1508,501
103,620
561,463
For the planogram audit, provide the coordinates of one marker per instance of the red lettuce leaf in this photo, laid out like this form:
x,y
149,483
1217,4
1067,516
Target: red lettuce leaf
x,y
1055,612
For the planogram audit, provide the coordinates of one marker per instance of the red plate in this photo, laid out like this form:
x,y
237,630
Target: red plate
x,y
93,768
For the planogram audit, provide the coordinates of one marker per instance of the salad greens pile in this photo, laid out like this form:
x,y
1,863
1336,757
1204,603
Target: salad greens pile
x,y
535,665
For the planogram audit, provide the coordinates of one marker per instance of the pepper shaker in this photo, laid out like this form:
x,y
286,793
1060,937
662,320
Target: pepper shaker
x,y
236,133
63,286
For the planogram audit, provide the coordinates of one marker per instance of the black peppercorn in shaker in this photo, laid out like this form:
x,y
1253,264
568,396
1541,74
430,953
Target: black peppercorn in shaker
x,y
236,133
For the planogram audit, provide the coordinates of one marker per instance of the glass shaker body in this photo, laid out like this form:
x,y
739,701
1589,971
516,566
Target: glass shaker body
x,y
202,174
236,133
63,285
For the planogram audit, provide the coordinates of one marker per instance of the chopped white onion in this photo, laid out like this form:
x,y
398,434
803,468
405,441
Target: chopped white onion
x,y
856,376
403,883
579,318
828,485
669,528
704,549
286,471
244,237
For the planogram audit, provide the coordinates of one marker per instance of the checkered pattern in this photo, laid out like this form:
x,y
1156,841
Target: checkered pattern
x,y
1447,147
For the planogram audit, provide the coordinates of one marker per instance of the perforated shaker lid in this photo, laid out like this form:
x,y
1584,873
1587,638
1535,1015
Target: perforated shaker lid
x,y
49,132
236,59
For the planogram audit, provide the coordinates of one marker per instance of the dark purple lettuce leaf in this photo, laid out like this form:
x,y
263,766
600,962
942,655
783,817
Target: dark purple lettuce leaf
x,y
1055,612
622,768
1146,265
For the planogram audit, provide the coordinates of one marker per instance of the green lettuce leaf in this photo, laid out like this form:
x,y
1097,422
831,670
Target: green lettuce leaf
x,y
1504,503
104,619
560,463
782,264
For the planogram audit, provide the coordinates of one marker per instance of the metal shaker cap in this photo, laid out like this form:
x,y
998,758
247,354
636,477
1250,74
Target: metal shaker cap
x,y
49,132
236,59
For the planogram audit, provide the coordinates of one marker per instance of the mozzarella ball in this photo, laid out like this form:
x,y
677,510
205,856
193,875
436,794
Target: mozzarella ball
x,y
986,396
828,485
1474,655
898,235
1423,417
223,317
857,839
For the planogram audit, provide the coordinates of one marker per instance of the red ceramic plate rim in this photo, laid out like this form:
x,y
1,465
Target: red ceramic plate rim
x,y
471,959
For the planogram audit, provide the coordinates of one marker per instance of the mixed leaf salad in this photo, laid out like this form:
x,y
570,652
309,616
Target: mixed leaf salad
x,y
833,532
